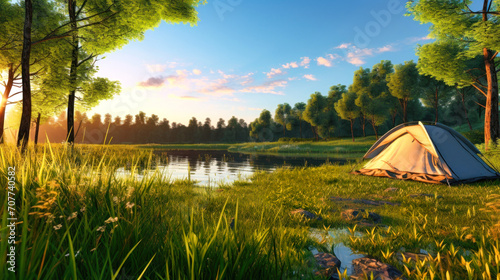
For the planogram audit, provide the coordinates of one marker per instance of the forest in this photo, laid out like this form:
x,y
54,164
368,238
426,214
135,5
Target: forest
x,y
373,104
453,82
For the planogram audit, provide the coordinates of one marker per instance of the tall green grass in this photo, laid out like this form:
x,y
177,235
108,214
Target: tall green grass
x,y
78,220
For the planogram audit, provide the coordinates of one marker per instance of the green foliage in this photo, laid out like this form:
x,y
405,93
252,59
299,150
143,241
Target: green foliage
x,y
259,129
464,51
475,136
283,115
404,82
346,107
97,89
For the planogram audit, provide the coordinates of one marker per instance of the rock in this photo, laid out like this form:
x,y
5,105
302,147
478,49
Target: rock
x,y
374,217
391,190
352,214
360,215
380,270
328,265
305,214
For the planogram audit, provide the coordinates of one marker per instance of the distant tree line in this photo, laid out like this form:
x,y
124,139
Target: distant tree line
x,y
141,129
378,99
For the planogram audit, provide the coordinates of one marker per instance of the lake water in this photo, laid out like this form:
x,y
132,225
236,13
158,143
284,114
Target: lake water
x,y
211,167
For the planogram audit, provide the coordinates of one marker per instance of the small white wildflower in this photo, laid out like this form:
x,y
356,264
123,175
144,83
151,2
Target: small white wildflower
x,y
83,209
59,226
76,255
72,216
129,205
111,220
51,218
101,228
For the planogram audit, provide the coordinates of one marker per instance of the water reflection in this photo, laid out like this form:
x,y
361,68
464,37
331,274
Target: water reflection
x,y
210,167
342,252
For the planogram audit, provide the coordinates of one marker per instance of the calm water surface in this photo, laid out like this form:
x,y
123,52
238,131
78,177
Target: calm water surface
x,y
212,167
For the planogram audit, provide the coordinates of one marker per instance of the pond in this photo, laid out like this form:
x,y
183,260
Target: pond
x,y
211,167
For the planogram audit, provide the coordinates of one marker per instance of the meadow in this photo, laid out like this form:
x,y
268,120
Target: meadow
x,y
76,220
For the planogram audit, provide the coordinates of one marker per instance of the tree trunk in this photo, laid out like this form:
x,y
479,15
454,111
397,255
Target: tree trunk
x,y
393,115
37,128
300,127
436,104
24,128
314,133
352,132
73,73
5,97
462,95
363,123
491,126
405,110
374,129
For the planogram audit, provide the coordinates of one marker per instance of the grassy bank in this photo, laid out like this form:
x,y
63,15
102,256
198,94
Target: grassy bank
x,y
332,148
77,220
339,147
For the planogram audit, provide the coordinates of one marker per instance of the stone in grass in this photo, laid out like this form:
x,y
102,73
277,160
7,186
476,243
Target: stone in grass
x,y
391,190
381,271
306,214
360,215
328,265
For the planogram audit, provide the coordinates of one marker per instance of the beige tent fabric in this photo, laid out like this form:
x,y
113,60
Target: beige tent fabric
x,y
434,179
417,132
406,154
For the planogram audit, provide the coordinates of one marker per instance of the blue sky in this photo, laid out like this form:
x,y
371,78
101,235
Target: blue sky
x,y
244,56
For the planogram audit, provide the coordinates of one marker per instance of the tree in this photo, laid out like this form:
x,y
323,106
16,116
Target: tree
x,y
404,84
379,98
260,127
298,111
434,92
24,127
347,109
315,112
282,115
361,85
95,27
463,34
332,120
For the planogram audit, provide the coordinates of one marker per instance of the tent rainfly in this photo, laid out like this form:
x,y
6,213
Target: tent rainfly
x,y
432,153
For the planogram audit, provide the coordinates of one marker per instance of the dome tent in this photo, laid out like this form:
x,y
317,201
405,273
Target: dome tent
x,y
432,153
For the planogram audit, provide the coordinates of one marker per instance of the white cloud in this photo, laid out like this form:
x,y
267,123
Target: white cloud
x,y
267,87
387,48
274,72
343,46
197,71
290,65
323,61
305,62
310,77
